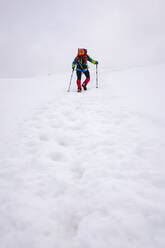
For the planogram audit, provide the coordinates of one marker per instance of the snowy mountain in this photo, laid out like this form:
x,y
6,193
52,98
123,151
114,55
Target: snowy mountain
x,y
83,170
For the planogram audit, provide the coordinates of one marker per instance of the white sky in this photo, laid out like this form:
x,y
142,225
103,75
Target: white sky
x,y
42,36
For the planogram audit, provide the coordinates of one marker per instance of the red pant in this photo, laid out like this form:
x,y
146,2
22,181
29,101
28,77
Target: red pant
x,y
79,73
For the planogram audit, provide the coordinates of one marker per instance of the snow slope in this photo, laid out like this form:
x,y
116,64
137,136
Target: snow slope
x,y
84,170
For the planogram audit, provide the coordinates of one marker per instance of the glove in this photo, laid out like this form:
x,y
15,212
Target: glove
x,y
96,63
73,68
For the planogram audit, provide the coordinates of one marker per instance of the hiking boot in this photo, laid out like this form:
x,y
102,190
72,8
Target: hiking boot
x,y
84,86
79,90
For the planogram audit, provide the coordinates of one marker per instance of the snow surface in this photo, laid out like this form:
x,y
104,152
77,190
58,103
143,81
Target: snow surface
x,y
83,170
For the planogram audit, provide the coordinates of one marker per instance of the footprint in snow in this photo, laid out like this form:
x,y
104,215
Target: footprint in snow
x,y
44,137
56,156
78,172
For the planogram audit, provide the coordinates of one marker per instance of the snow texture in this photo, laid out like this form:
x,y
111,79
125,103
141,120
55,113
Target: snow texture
x,y
83,170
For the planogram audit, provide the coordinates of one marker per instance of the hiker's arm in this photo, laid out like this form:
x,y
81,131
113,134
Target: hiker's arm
x,y
91,60
74,63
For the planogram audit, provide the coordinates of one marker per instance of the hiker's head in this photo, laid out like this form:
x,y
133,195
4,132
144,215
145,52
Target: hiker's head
x,y
81,52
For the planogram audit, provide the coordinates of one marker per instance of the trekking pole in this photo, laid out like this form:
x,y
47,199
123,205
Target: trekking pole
x,y
97,76
70,81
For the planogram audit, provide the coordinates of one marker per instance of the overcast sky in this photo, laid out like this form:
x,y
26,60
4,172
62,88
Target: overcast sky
x,y
42,36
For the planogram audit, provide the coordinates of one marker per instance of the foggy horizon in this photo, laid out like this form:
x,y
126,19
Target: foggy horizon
x,y
41,37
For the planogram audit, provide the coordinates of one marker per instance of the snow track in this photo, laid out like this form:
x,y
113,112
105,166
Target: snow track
x,y
87,170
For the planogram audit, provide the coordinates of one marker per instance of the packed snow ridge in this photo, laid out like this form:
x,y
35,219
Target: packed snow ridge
x,y
83,170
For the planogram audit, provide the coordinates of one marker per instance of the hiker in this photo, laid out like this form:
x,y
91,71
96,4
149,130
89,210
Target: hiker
x,y
81,62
